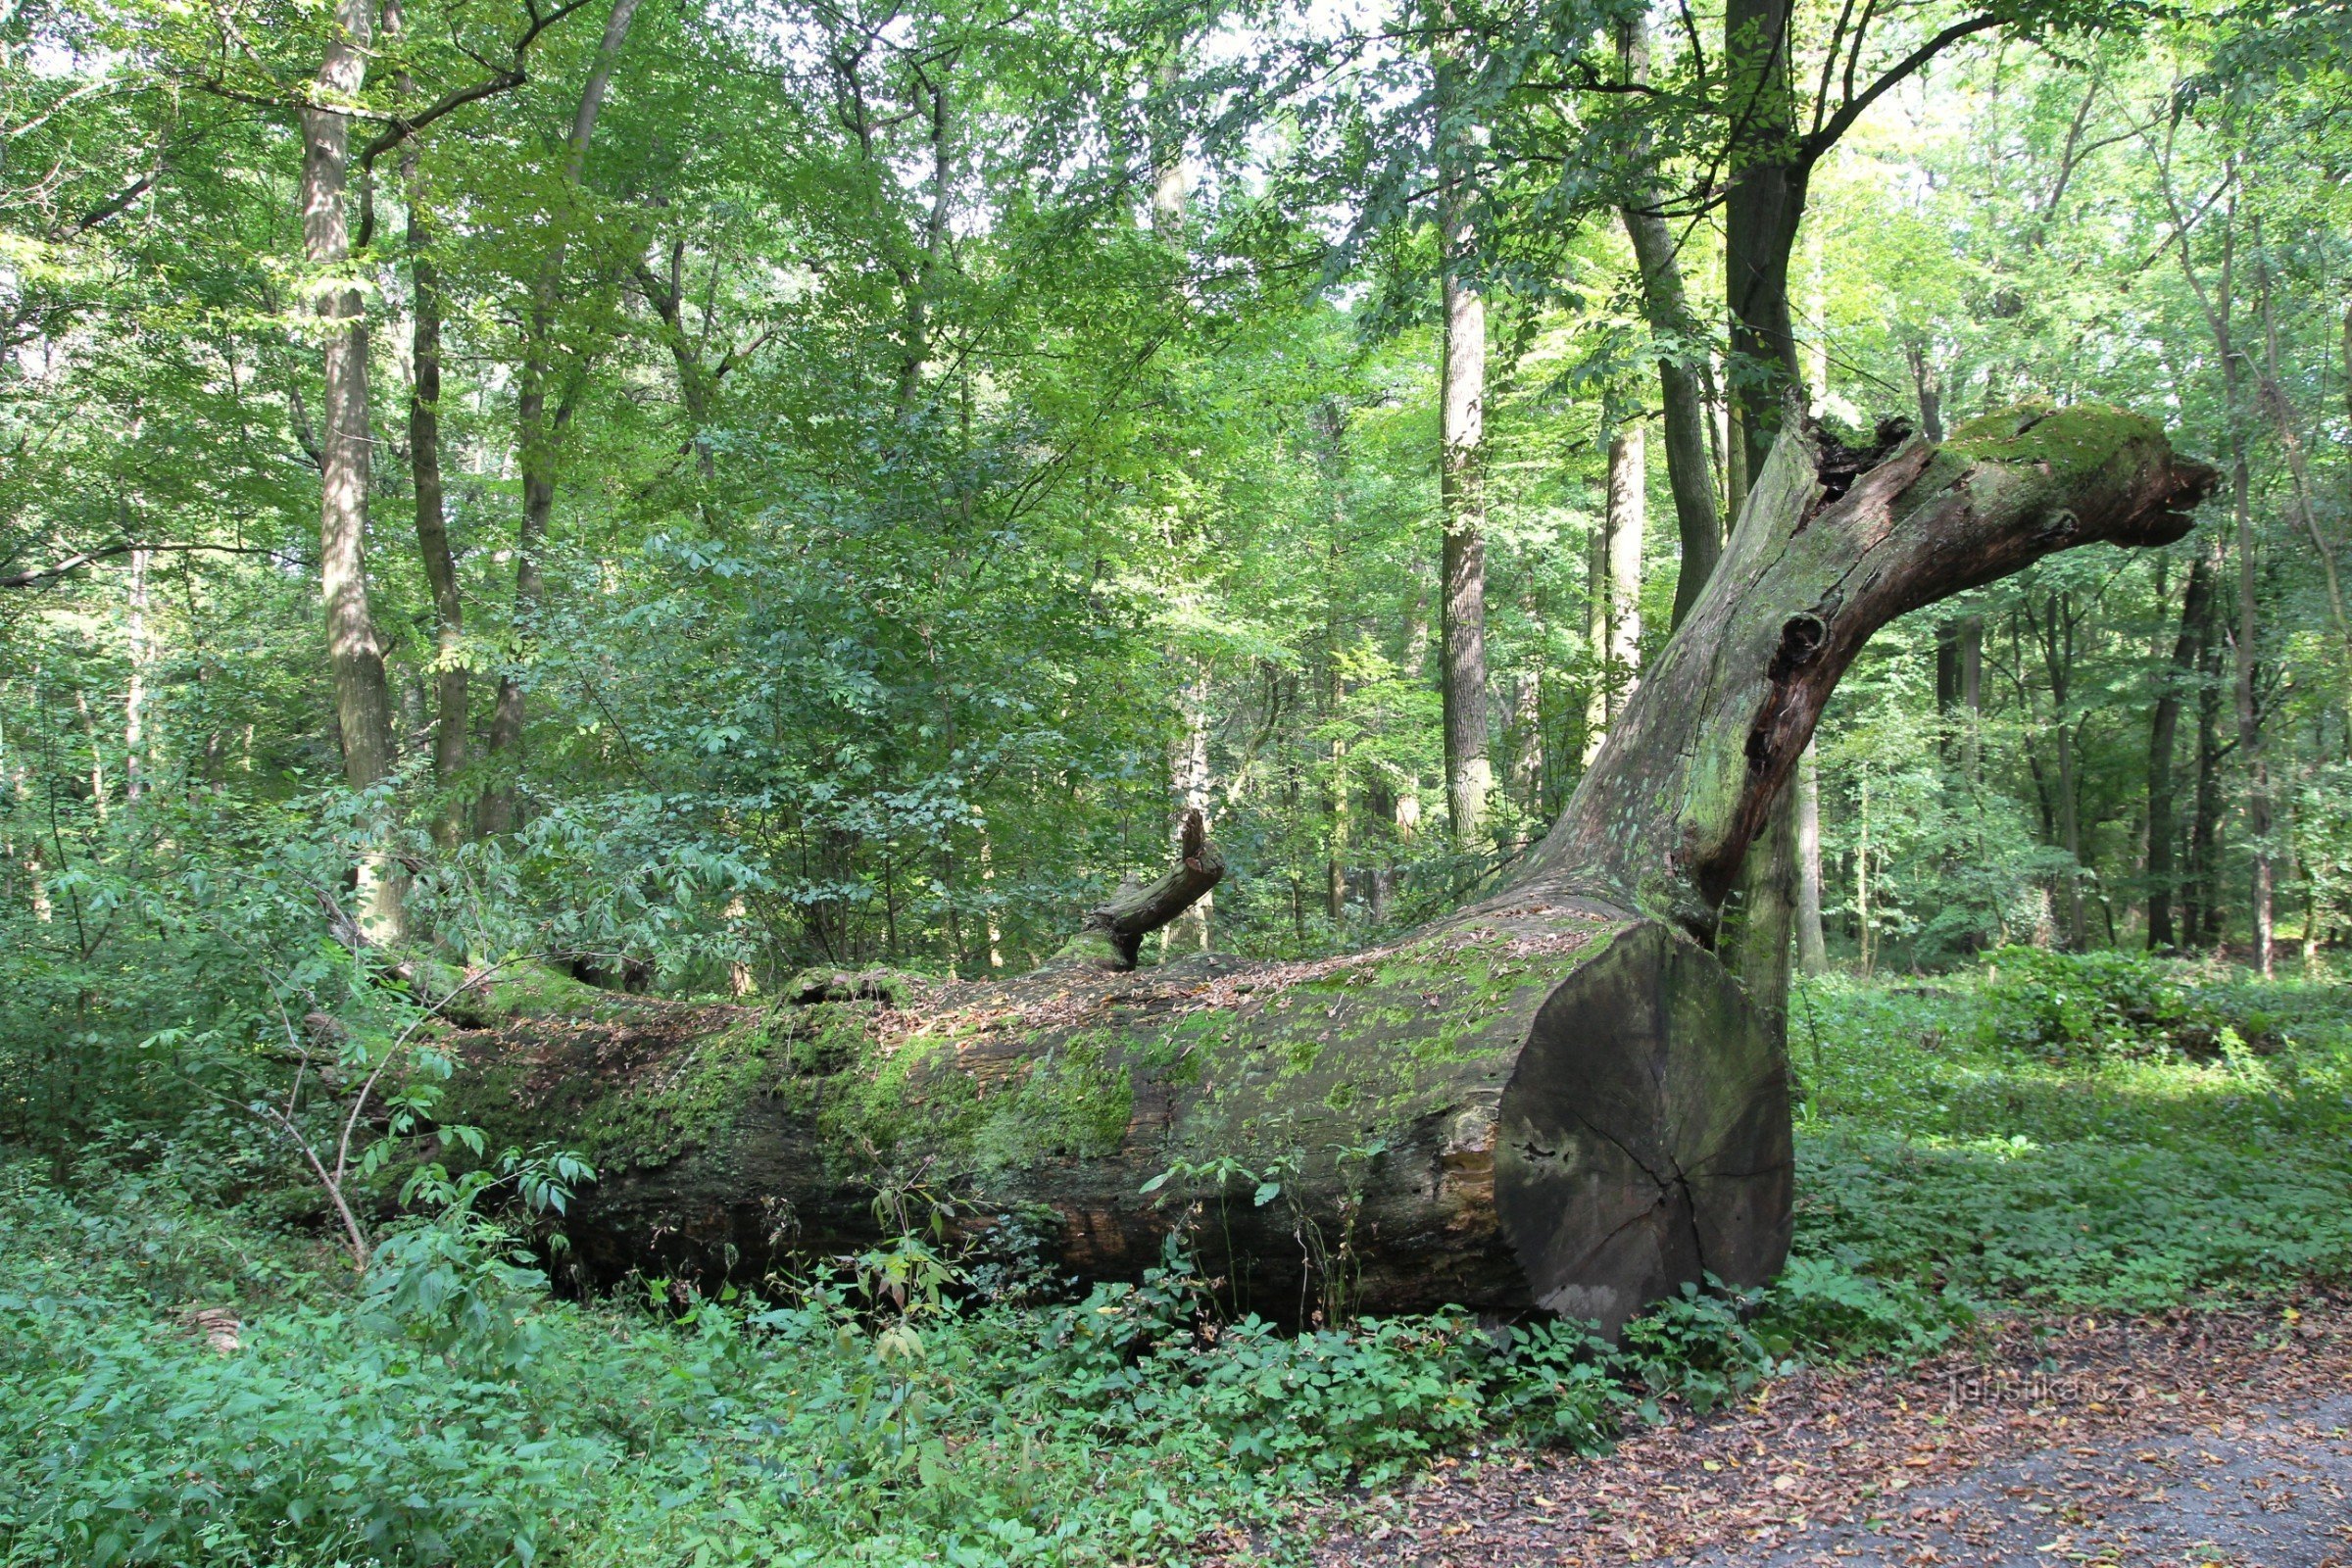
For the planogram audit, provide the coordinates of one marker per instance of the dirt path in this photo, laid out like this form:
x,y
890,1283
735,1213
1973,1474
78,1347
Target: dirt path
x,y
2201,1439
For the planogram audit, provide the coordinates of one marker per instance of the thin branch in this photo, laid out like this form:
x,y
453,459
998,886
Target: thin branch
x,y
72,563
1822,140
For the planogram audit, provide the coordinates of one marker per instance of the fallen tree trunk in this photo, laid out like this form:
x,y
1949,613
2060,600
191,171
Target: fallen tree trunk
x,y
1556,1099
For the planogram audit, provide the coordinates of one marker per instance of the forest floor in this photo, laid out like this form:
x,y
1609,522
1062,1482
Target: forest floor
x,y
2195,1437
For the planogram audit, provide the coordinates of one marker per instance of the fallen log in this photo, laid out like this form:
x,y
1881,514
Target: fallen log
x,y
1555,1098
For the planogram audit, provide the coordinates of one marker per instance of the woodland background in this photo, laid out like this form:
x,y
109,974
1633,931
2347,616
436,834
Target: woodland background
x,y
816,483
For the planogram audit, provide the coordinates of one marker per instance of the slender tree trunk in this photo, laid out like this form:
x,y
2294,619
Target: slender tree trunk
x,y
2163,725
1625,522
1947,689
1188,783
1461,475
1927,387
134,702
100,799
2283,423
1812,948
537,429
2249,717
1972,693
2057,637
1862,926
355,659
2203,904
1762,209
1683,419
1172,185
453,697
1189,778
2218,305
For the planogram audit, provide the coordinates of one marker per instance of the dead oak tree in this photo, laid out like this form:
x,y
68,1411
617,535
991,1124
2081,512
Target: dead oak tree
x,y
1555,1098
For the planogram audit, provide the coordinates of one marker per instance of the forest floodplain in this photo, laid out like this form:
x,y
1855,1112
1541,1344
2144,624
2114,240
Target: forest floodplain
x,y
2080,1149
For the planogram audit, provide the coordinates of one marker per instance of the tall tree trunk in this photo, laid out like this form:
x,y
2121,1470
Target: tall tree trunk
x,y
1189,778
1608,1118
2218,305
2163,725
1172,185
1188,783
1927,387
2204,905
1947,688
537,429
355,659
2298,466
2057,637
1972,693
1812,947
453,698
2249,716
1623,523
134,701
1768,175
1682,416
1461,472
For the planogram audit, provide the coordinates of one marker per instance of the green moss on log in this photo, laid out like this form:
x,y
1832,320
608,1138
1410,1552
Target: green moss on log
x,y
2072,443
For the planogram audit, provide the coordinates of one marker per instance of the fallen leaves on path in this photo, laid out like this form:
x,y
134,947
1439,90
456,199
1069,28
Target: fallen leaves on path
x,y
2072,1414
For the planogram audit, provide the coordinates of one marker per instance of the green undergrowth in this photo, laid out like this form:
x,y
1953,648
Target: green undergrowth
x,y
447,1411
2042,1135
2052,1133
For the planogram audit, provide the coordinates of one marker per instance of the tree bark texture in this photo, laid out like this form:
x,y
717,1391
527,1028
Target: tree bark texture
x,y
1557,1098
2163,726
1682,416
451,681
355,657
1812,945
1461,479
1769,172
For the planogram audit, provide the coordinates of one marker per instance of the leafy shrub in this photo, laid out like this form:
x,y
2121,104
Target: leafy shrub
x,y
1698,1345
1832,1307
451,1413
2069,1005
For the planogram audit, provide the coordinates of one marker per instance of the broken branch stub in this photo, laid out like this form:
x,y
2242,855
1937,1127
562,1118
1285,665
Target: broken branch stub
x,y
1112,936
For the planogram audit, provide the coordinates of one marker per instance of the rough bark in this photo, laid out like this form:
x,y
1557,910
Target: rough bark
x,y
451,680
1461,477
1812,945
1555,1098
1683,419
2163,726
355,657
1769,172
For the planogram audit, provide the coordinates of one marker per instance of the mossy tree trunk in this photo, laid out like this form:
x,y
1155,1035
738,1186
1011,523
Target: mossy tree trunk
x,y
1555,1098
